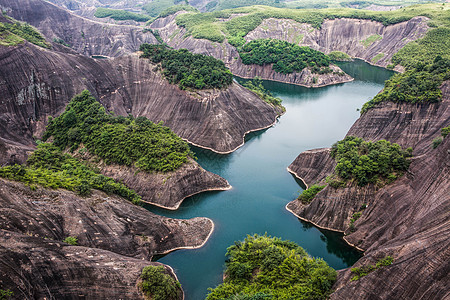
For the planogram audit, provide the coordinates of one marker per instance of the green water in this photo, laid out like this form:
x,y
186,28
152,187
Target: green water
x,y
261,185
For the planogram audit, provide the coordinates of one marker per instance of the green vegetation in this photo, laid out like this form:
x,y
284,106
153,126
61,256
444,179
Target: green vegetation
x,y
155,34
5,294
155,7
188,70
12,34
355,217
51,168
262,267
257,87
436,142
371,39
445,131
157,285
339,56
122,140
118,14
369,162
71,240
61,41
228,4
377,57
216,26
364,270
308,195
285,57
419,85
176,8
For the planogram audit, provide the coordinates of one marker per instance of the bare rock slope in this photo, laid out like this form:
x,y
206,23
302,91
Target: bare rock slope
x,y
408,219
116,240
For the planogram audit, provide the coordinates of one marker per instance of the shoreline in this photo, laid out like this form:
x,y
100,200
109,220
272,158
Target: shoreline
x,y
177,205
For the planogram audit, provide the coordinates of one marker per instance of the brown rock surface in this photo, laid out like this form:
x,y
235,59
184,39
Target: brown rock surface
x,y
408,219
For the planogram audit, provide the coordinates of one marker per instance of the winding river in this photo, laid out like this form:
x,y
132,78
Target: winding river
x,y
262,187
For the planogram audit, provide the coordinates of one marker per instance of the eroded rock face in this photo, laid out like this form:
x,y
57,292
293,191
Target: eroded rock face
x,y
176,37
346,35
167,190
83,35
34,268
408,219
37,83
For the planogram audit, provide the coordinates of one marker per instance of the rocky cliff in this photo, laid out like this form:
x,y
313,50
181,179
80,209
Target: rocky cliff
x,y
37,83
364,39
85,36
176,37
116,240
408,219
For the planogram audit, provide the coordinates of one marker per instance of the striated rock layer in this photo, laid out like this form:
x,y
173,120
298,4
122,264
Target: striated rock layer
x,y
176,37
116,240
37,83
408,219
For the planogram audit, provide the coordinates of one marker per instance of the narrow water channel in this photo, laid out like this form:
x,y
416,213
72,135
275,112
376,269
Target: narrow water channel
x,y
261,185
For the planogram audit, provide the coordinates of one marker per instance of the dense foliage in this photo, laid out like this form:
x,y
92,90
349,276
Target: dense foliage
x,y
257,87
13,33
228,4
155,7
369,162
188,70
445,131
157,285
5,294
122,140
262,267
307,195
285,57
118,14
366,269
176,8
418,85
51,168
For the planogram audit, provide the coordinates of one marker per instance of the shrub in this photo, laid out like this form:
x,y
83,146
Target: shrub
x,y
71,240
5,294
118,14
262,267
176,8
436,142
188,70
12,34
117,139
339,56
158,285
368,162
285,57
257,87
445,131
308,195
366,269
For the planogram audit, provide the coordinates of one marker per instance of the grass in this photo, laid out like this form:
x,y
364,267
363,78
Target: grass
x,y
371,39
377,57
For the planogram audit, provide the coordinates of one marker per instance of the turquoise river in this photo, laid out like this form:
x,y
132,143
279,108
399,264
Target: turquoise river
x,y
262,186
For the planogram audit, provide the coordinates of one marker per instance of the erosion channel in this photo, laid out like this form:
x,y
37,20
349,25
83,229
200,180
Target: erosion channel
x,y
261,184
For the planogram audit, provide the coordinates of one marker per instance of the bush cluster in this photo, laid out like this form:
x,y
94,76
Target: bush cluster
x,y
369,162
157,285
117,139
119,14
418,85
262,267
257,87
176,8
308,195
50,168
188,70
286,57
365,270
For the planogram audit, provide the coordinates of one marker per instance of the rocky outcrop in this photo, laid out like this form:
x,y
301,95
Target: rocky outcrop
x,y
176,37
34,268
167,190
407,219
85,36
346,35
116,239
37,83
